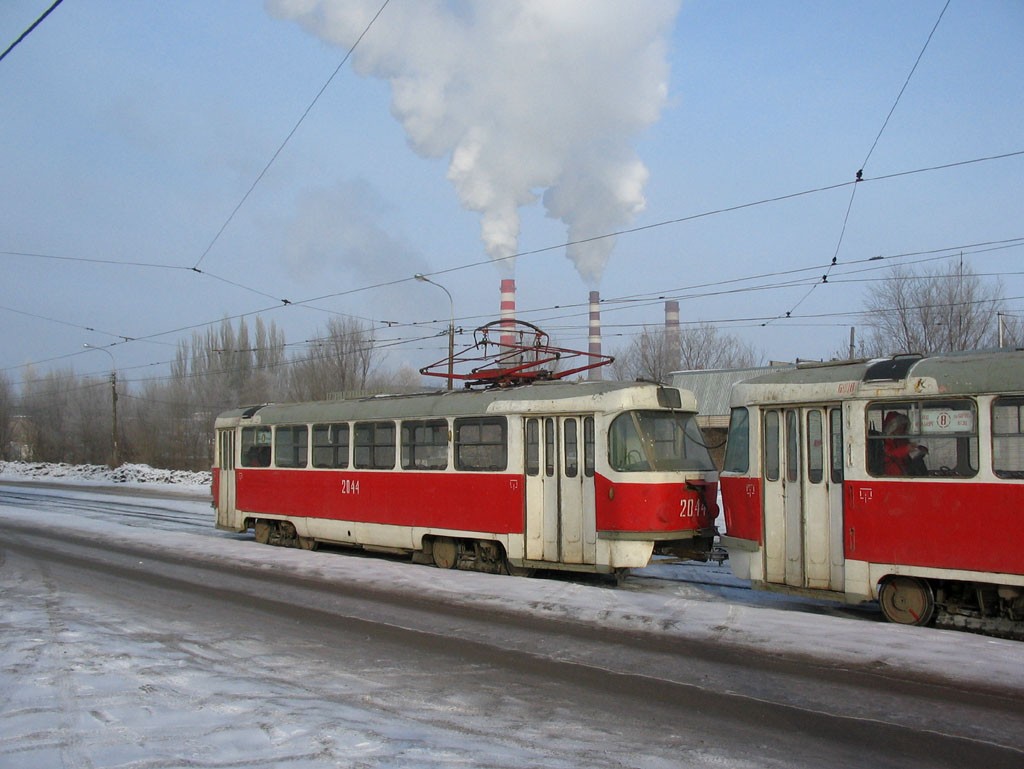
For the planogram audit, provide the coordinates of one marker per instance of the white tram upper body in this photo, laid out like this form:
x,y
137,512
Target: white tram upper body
x,y
898,479
589,476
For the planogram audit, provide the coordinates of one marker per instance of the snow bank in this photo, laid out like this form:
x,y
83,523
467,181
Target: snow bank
x,y
129,474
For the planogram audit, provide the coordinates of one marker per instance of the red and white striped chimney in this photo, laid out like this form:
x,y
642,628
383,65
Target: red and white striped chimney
x,y
673,339
508,310
595,332
672,318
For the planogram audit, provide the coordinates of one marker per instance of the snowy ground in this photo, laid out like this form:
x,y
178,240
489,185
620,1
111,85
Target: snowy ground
x,y
677,610
101,475
83,676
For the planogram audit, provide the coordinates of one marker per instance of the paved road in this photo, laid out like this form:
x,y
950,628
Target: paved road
x,y
115,654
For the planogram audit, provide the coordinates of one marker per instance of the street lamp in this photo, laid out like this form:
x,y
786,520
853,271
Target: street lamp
x,y
451,325
115,461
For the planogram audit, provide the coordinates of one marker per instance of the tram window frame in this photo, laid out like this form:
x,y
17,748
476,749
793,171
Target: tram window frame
x,y
772,459
571,449
478,447
835,436
589,447
331,444
792,446
421,449
737,447
532,457
815,446
657,440
291,446
373,445
960,446
255,445
1008,444
549,447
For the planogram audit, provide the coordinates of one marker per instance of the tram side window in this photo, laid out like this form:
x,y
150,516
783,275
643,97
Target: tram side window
x,y
481,443
290,446
792,447
1008,437
815,447
256,446
922,438
425,445
532,447
588,447
835,418
771,446
571,449
374,444
330,446
549,447
737,450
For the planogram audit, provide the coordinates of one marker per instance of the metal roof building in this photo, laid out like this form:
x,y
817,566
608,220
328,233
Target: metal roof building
x,y
711,388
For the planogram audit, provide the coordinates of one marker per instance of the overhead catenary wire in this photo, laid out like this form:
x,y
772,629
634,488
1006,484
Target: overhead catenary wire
x,y
860,173
29,31
478,263
608,303
291,133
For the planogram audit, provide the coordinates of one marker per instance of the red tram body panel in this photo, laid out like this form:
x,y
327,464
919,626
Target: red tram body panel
x,y
589,476
899,479
973,527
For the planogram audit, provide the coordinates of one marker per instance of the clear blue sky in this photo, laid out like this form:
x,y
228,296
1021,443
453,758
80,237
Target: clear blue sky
x,y
130,131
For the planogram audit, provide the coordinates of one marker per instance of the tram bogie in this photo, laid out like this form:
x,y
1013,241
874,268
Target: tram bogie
x,y
583,476
898,480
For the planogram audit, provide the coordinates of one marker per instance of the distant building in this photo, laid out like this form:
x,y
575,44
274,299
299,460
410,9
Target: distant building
x,y
711,388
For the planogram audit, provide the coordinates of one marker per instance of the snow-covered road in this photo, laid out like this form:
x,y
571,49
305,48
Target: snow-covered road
x,y
89,680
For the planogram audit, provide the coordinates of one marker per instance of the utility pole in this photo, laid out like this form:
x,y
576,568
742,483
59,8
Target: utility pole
x,y
115,458
852,347
451,325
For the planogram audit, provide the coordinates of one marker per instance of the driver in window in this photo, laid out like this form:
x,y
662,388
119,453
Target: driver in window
x,y
901,456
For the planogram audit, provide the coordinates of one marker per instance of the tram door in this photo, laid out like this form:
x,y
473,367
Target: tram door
x,y
226,488
560,517
802,468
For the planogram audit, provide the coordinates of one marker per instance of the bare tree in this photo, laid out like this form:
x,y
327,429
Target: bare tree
x,y
940,310
1012,332
7,416
341,359
656,353
46,405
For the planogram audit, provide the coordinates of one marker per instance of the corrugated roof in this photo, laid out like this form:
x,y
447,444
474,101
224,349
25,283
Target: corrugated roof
x,y
711,388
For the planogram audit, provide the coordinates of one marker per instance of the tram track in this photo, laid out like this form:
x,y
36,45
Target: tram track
x,y
109,508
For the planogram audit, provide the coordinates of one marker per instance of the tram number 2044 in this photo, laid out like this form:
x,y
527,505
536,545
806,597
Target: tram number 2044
x,y
349,486
692,508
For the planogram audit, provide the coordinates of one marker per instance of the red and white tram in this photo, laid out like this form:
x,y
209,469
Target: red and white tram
x,y
585,476
899,479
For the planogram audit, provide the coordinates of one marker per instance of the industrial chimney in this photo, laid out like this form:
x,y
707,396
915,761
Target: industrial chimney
x,y
673,340
508,310
595,332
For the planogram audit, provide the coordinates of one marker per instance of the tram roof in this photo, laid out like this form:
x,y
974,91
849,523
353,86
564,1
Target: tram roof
x,y
999,371
536,397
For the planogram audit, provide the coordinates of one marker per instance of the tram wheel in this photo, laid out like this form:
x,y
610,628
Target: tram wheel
x,y
308,543
519,571
445,552
262,530
907,600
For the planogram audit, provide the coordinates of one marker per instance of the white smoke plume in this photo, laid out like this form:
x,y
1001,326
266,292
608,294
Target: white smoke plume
x,y
525,97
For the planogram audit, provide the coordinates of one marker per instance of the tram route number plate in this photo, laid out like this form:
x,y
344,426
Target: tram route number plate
x,y
349,486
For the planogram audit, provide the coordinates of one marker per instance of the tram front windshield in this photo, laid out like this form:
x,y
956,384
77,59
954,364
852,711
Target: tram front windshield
x,y
660,441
